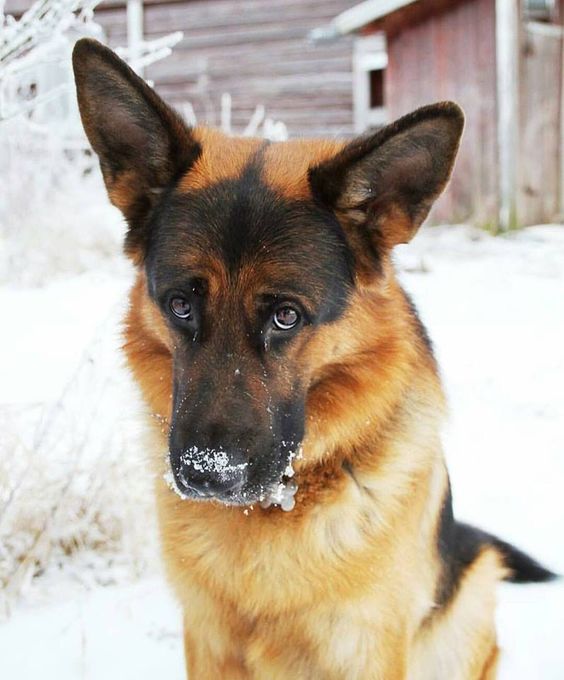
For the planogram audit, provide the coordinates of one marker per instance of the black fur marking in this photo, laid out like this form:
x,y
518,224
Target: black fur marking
x,y
396,173
459,544
524,569
348,468
455,555
244,222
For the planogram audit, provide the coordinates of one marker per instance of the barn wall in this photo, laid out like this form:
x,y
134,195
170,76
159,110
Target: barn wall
x,y
451,55
256,50
540,180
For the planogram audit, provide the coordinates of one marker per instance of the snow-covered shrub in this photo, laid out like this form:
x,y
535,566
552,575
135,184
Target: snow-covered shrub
x,y
75,492
54,217
47,178
74,488
71,489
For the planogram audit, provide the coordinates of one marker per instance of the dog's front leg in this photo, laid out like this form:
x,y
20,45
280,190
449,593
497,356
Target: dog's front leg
x,y
215,638
204,661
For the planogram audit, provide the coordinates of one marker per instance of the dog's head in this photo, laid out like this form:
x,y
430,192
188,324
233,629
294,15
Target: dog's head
x,y
251,257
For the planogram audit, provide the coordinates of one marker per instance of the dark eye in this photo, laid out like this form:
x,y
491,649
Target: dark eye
x,y
180,307
285,318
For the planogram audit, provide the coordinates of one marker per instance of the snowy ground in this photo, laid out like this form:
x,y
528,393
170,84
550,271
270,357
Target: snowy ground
x,y
495,309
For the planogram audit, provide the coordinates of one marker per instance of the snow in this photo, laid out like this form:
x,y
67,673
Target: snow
x,y
126,633
282,495
211,460
495,310
62,318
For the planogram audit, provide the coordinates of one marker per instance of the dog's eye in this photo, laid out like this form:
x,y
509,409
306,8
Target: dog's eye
x,y
180,307
285,318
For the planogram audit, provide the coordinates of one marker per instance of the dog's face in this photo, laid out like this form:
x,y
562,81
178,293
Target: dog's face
x,y
247,254
242,277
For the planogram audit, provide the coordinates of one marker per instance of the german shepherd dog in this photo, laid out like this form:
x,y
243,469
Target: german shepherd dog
x,y
267,328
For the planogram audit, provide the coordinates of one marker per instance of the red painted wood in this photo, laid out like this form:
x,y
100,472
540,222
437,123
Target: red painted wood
x,y
451,55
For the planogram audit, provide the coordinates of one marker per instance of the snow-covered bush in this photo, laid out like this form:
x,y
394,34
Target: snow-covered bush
x,y
71,489
74,487
74,491
54,217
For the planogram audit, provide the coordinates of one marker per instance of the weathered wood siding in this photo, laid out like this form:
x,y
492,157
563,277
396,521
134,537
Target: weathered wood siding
x,y
451,55
256,50
540,141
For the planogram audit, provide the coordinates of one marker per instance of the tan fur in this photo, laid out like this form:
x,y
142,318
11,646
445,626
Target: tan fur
x,y
343,587
460,642
222,158
286,166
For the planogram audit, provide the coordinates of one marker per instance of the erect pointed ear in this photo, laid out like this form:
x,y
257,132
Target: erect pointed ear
x,y
143,144
385,183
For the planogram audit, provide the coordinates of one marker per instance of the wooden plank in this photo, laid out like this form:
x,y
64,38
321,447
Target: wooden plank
x,y
485,111
265,88
540,147
508,45
186,67
257,50
217,6
276,51
195,17
450,56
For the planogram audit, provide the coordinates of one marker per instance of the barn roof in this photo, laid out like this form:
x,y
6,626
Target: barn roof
x,y
386,15
355,18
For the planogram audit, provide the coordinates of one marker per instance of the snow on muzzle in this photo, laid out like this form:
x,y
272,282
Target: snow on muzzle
x,y
209,472
213,473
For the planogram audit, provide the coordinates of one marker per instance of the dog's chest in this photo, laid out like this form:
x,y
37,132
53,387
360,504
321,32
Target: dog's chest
x,y
338,640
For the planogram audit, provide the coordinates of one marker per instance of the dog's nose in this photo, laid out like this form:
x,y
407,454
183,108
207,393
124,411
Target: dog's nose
x,y
209,472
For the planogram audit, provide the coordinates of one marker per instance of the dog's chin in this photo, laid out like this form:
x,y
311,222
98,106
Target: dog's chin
x,y
280,493
236,499
242,498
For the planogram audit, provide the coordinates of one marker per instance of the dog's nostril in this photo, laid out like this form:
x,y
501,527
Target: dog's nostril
x,y
207,488
186,483
194,488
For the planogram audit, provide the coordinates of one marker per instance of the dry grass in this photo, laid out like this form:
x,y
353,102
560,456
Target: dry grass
x,y
74,490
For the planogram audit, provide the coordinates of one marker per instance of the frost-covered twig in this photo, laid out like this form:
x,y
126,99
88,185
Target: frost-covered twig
x,y
148,52
39,38
76,486
43,20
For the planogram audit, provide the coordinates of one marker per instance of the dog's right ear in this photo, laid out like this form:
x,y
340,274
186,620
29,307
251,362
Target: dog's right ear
x,y
142,143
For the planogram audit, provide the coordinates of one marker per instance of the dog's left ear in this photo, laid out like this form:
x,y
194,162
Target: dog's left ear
x,y
386,183
142,143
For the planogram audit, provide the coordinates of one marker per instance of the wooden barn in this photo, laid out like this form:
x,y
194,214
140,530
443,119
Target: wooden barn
x,y
257,51
502,60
